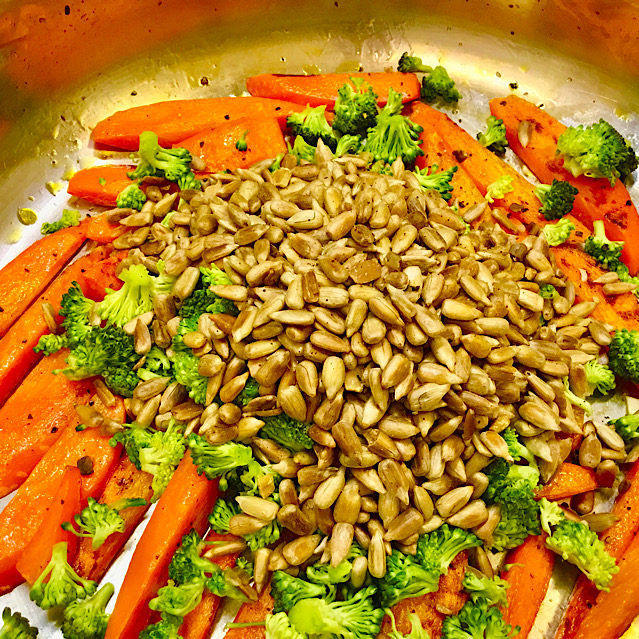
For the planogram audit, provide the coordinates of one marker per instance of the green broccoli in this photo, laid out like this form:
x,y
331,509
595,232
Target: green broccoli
x,y
412,64
188,182
598,151
495,136
156,364
600,377
76,309
165,629
131,197
202,300
241,144
133,299
477,620
439,181
557,199
302,150
394,135
51,343
99,521
186,564
348,145
559,232
215,461
15,626
59,584
278,626
436,550
492,590
179,600
518,452
69,218
356,618
287,432
623,354
355,108
277,162
327,575
311,124
417,631
250,391
575,400
246,480
287,590
438,85
606,252
87,619
185,363
498,189
548,291
160,162
579,545
626,426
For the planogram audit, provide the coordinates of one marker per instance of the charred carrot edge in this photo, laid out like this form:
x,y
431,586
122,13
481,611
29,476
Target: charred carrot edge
x,y
217,147
26,276
596,200
66,503
100,184
177,120
322,89
254,611
528,581
100,230
570,480
185,504
102,275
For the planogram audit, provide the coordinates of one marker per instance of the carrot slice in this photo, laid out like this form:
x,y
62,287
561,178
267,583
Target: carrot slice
x,y
125,482
596,200
217,147
23,514
24,278
254,611
528,581
570,480
177,120
66,503
185,504
102,275
100,184
322,89
100,230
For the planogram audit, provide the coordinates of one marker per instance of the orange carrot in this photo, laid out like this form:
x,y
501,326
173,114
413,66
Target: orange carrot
x,y
23,514
100,230
17,357
33,417
185,504
217,147
102,275
596,200
177,120
125,482
322,89
24,278
66,503
570,480
528,582
100,184
254,611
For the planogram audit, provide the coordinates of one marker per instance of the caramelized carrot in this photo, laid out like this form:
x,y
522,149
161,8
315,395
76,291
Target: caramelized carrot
x,y
23,514
126,482
102,275
596,200
24,278
528,580
176,120
100,184
570,480
217,147
185,504
322,89
66,503
255,611
100,230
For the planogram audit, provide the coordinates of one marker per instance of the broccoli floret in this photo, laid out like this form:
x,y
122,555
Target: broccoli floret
x,y
214,276
121,381
278,626
328,575
302,150
311,124
178,600
548,291
575,400
356,618
600,377
287,432
69,218
165,629
202,300
87,619
277,162
606,252
412,64
250,391
394,135
495,136
439,181
623,354
188,182
215,461
133,299
76,308
598,151
579,545
185,363
348,144
499,188
51,343
627,427
131,197
355,108
287,590
492,590
477,620
417,631
155,160
557,199
99,521
187,564
15,626
436,550
438,85
218,583
156,364
518,451
241,144
559,232
247,479
59,584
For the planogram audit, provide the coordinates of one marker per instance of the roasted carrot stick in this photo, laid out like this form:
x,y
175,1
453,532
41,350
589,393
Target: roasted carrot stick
x,y
570,480
177,120
66,503
125,482
217,147
100,184
255,611
596,200
185,504
528,581
100,230
23,514
24,278
102,275
322,89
